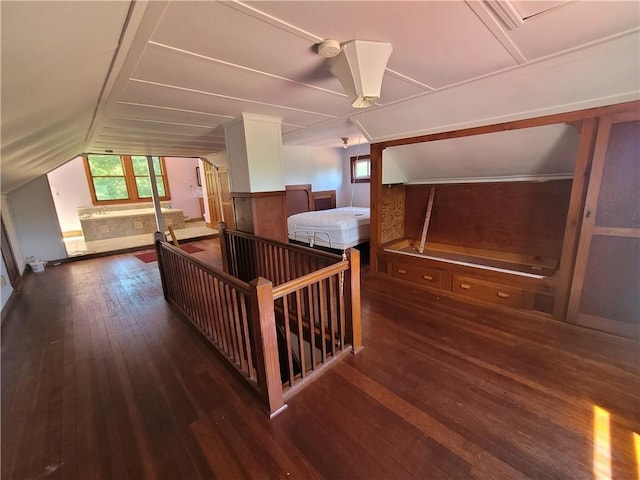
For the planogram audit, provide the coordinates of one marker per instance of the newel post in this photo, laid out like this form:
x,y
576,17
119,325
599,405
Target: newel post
x,y
224,247
352,301
158,239
266,345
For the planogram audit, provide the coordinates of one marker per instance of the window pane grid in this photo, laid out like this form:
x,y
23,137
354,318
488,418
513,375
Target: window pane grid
x,y
360,169
114,178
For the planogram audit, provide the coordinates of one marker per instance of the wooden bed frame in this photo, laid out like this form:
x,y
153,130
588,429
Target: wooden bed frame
x,y
301,198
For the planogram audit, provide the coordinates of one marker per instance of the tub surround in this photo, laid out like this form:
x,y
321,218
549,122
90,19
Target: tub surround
x,y
100,223
118,208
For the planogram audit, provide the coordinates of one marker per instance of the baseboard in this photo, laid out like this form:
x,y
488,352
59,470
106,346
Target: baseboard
x,y
197,219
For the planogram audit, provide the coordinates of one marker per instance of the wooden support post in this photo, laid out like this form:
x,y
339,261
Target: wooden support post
x,y
266,345
224,247
352,301
425,227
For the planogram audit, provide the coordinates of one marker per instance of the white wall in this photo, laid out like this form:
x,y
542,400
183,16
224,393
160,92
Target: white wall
x,y
35,221
323,168
254,148
70,190
357,194
326,169
183,184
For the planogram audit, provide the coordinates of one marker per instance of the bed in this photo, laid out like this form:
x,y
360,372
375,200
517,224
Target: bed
x,y
334,228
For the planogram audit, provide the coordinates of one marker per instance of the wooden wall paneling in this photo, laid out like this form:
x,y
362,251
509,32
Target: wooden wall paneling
x,y
375,157
526,218
261,213
392,206
588,131
416,202
243,212
269,215
298,199
324,199
604,293
530,234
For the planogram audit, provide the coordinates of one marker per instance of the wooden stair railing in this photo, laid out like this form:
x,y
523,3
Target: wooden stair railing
x,y
278,337
316,297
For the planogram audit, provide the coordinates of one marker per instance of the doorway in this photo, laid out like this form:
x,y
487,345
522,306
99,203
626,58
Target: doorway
x,y
219,202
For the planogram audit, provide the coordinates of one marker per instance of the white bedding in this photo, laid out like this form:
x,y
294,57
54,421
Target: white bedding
x,y
337,228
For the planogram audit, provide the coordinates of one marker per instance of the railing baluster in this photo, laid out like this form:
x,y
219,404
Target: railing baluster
x,y
209,315
287,335
247,340
312,336
323,319
223,315
231,330
303,370
239,332
332,313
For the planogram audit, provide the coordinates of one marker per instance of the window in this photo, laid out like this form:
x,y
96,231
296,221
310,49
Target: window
x,y
124,178
360,169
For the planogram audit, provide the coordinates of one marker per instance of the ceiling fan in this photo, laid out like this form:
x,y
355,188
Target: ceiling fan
x,y
359,65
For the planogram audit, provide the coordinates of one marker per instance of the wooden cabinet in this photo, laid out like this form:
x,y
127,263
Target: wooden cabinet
x,y
491,292
564,248
605,292
420,275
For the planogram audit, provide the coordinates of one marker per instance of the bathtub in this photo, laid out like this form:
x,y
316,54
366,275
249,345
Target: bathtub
x,y
127,222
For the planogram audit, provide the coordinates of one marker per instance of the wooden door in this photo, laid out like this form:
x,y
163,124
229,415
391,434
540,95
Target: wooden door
x,y
211,183
9,260
606,284
224,182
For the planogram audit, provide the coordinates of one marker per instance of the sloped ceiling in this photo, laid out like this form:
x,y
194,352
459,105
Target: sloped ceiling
x,y
536,153
163,78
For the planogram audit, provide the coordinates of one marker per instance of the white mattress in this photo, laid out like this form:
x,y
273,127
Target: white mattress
x,y
337,228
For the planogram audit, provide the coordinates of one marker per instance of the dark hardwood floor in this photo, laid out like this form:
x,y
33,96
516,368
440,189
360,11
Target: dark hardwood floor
x,y
102,379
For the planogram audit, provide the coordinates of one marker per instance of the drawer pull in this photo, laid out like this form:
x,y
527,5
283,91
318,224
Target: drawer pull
x,y
427,277
465,286
402,271
503,295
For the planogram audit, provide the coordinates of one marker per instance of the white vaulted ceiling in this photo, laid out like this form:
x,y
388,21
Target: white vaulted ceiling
x,y
163,78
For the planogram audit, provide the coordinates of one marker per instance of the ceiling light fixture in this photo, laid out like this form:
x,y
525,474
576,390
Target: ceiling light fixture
x,y
345,140
359,66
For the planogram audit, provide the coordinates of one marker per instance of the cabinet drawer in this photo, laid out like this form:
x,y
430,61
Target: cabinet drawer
x,y
489,292
416,274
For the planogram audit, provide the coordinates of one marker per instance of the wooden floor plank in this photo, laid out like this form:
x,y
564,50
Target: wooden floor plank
x,y
101,378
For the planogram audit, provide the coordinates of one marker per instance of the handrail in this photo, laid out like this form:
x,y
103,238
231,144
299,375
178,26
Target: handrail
x,y
308,279
216,304
222,275
290,246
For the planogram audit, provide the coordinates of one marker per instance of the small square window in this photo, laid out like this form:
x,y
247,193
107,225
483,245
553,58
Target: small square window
x,y
361,169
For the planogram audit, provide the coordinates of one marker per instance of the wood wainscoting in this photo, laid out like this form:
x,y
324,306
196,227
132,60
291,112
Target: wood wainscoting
x,y
261,213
